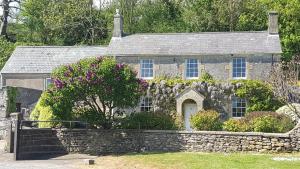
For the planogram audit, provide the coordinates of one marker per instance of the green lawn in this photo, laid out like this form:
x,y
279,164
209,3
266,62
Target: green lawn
x,y
196,161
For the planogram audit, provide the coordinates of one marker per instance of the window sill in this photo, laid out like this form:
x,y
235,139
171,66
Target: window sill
x,y
192,78
239,78
147,78
236,118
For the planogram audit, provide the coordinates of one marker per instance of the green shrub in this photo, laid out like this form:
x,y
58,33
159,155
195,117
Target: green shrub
x,y
265,124
269,122
259,95
206,120
236,125
149,121
41,112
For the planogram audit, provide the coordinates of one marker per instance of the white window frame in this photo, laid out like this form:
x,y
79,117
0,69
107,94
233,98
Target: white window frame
x,y
146,104
146,69
236,104
46,84
240,67
186,68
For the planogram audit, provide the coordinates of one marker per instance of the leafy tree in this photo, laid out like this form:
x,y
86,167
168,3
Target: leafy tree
x,y
96,86
7,9
6,49
66,22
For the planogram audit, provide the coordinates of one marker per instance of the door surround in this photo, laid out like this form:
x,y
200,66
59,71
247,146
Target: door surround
x,y
189,94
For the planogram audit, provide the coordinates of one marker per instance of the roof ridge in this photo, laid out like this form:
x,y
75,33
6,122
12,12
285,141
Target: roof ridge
x,y
60,46
196,33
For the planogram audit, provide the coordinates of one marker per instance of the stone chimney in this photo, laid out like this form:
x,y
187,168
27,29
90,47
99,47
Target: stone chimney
x,y
273,23
118,25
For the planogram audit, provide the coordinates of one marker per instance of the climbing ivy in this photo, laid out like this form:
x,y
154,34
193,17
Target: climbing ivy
x,y
11,102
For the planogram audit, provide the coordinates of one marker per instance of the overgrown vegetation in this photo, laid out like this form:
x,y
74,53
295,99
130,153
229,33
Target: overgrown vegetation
x,y
11,102
6,49
259,95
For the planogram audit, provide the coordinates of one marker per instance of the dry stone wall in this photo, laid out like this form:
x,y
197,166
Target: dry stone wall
x,y
34,142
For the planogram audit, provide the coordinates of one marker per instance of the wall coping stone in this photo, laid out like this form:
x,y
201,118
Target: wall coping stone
x,y
282,135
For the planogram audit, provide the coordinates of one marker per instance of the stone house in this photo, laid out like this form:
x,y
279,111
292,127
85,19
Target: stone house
x,y
224,55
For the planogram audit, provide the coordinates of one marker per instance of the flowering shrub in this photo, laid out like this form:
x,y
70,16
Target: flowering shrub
x,y
96,84
206,120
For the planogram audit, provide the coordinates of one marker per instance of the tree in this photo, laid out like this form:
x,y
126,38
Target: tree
x,y
7,10
93,88
66,22
283,79
6,49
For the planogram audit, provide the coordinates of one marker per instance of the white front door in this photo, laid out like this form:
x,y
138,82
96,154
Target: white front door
x,y
189,110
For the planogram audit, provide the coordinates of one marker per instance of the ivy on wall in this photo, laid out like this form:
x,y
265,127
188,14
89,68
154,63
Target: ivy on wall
x,y
11,101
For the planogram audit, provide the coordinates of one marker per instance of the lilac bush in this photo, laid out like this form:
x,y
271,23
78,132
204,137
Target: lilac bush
x,y
94,85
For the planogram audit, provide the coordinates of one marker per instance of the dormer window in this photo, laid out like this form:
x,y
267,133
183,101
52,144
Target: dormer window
x,y
192,69
239,68
147,68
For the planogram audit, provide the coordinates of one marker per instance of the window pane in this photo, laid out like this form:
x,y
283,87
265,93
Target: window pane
x,y
146,104
238,107
239,67
191,68
146,68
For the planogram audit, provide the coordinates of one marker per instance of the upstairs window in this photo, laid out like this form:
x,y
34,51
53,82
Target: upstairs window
x,y
47,82
191,68
147,68
146,104
238,107
239,68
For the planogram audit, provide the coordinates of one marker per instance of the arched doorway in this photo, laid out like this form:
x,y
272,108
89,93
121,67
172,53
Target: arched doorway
x,y
189,108
188,103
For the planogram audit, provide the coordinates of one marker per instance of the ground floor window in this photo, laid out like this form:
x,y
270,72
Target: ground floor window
x,y
238,107
146,104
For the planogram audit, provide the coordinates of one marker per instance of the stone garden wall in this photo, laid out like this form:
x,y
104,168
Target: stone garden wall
x,y
34,142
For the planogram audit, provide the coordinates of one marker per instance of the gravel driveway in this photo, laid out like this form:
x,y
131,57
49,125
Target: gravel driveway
x,y
72,161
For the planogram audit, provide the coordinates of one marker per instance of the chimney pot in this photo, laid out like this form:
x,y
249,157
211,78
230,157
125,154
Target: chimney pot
x,y
273,23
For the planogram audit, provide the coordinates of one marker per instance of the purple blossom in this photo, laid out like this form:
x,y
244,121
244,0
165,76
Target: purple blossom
x,y
119,66
143,83
80,79
89,75
58,83
70,68
93,65
67,74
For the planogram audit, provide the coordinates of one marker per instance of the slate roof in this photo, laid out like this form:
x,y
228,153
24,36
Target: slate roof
x,y
207,43
43,59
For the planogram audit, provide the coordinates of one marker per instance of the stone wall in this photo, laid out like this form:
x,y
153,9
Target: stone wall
x,y
34,142
3,102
